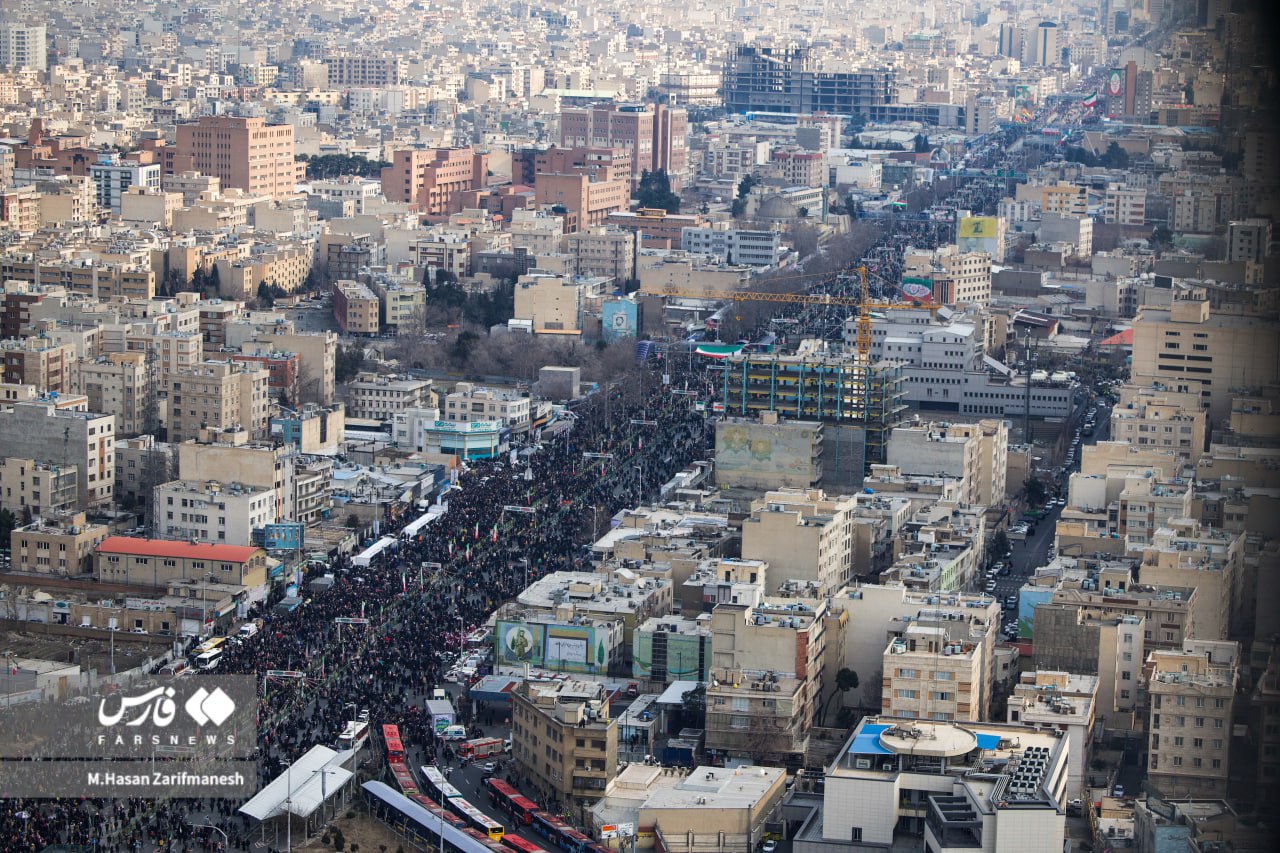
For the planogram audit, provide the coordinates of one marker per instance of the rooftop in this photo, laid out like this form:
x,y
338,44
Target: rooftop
x,y
176,550
718,787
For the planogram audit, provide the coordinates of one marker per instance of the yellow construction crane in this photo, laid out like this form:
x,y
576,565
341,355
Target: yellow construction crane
x,y
862,302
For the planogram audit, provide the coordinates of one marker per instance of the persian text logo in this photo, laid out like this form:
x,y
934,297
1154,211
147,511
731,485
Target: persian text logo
x,y
203,706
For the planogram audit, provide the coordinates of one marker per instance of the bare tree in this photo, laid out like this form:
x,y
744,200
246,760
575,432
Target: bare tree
x,y
306,385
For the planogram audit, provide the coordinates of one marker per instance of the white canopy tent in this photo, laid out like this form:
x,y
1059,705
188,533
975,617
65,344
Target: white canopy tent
x,y
303,787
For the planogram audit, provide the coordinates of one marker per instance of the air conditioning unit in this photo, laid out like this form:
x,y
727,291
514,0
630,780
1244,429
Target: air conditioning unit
x,y
862,764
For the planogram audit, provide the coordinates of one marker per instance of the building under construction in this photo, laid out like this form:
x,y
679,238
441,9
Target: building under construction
x,y
816,385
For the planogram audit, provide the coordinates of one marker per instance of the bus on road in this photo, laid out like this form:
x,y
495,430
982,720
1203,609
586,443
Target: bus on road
x,y
353,736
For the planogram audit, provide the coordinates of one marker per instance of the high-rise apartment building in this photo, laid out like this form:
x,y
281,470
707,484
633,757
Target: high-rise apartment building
x,y
585,201
1192,698
1249,240
1189,348
112,178
23,46
655,135
563,738
804,536
39,430
938,668
1184,553
365,71
767,665
788,80
215,395
246,153
953,277
38,361
431,177
120,384
356,308
216,511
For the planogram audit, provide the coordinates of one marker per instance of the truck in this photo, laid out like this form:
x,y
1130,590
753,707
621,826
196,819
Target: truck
x,y
442,715
482,747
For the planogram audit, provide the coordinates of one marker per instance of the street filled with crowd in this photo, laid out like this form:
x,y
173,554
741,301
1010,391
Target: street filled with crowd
x,y
419,597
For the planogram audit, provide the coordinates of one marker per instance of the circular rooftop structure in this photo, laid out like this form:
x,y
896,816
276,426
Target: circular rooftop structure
x,y
942,741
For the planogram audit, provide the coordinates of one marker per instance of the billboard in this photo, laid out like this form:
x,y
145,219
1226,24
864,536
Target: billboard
x,y
765,456
919,289
284,536
619,318
1028,598
1114,86
517,643
978,227
560,647
980,234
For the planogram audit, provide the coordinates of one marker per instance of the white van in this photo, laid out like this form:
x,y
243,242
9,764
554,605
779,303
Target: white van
x,y
248,630
454,733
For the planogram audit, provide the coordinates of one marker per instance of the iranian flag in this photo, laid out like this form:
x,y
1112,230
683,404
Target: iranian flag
x,y
1091,100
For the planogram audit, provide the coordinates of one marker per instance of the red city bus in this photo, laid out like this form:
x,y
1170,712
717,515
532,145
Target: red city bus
x,y
395,746
403,777
515,842
511,801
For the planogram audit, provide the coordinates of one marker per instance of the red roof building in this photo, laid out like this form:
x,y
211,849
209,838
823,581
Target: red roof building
x,y
159,562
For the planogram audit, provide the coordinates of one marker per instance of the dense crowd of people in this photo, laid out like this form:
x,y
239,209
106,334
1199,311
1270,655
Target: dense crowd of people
x,y
417,614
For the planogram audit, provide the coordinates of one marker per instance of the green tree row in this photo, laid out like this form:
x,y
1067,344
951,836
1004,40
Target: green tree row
x,y
325,166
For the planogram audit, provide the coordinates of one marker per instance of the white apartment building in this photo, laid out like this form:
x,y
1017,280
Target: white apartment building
x,y
734,245
603,250
1062,701
467,403
879,613
212,511
23,46
114,177
989,787
380,398
1125,205
947,370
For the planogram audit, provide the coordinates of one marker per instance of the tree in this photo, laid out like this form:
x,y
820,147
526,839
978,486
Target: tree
x,y
999,543
347,362
1161,237
463,344
1115,157
654,191
693,708
921,143
846,680
8,522
739,205
1035,491
336,165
